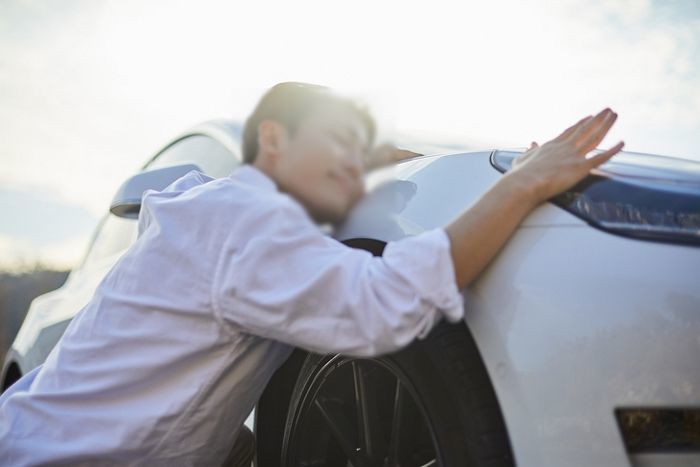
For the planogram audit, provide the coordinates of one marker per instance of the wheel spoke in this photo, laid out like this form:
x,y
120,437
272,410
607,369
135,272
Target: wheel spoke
x,y
394,439
341,429
366,411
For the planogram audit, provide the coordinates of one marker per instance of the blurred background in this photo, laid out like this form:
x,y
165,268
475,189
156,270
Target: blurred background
x,y
90,89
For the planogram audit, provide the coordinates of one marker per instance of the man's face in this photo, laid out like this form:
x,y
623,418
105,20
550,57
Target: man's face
x,y
322,164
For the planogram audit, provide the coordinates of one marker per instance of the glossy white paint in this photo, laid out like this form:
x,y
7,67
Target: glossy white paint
x,y
572,322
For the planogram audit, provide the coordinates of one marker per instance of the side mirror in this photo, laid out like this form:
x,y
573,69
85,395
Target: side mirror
x,y
127,201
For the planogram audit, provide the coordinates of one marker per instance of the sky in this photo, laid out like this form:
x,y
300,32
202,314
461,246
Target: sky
x,y
90,89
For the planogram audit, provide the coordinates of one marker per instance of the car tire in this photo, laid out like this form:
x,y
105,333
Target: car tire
x,y
343,410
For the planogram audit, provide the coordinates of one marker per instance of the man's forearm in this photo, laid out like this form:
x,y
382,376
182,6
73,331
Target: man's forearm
x,y
478,233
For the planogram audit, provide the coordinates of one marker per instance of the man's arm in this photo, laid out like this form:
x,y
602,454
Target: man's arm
x,y
281,278
480,232
291,283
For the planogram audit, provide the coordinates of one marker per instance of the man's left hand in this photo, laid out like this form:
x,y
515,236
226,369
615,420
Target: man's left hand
x,y
387,154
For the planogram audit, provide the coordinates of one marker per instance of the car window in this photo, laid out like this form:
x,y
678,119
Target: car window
x,y
114,234
214,159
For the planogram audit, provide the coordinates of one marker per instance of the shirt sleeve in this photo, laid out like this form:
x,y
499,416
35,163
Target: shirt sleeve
x,y
290,282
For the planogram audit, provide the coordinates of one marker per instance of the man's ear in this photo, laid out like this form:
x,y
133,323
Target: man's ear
x,y
272,138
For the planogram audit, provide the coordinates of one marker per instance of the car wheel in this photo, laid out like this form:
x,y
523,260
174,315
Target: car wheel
x,y
431,404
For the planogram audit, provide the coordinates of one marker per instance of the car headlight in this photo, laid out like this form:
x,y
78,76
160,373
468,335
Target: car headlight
x,y
635,195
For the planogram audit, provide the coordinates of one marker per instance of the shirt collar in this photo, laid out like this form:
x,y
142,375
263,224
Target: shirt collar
x,y
248,173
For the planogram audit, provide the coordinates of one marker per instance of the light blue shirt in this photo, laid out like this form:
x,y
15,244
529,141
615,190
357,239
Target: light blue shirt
x,y
170,355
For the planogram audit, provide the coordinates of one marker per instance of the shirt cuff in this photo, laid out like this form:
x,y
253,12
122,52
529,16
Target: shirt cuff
x,y
425,261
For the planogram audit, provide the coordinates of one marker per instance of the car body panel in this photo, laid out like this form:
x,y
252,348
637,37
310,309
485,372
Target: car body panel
x,y
572,322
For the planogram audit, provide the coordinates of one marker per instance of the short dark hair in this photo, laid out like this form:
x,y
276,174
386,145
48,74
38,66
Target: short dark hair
x,y
288,103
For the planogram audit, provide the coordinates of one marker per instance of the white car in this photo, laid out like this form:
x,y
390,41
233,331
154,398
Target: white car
x,y
580,346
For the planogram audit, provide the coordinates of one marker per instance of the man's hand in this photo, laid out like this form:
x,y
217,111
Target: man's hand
x,y
386,154
478,234
561,162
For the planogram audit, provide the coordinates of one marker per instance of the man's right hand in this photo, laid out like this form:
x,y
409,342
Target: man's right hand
x,y
561,163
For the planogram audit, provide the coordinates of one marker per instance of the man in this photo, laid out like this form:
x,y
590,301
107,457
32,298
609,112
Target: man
x,y
227,275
